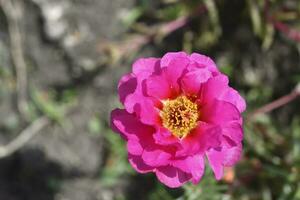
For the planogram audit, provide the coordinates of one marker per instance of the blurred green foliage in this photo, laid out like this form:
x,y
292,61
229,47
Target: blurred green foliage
x,y
116,165
51,104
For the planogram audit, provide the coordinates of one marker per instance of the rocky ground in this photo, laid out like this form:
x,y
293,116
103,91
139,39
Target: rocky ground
x,y
61,42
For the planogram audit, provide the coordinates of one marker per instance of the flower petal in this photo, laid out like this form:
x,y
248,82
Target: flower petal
x,y
143,107
164,137
223,157
192,164
127,85
134,147
217,88
219,112
191,81
135,99
155,157
172,176
157,86
146,66
168,58
214,87
138,164
232,96
215,159
234,131
232,155
174,65
203,137
205,61
128,126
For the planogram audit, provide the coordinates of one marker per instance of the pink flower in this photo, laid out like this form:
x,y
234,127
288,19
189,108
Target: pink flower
x,y
178,110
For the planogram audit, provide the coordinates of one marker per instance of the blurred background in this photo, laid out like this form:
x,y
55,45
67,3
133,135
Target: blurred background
x,y
60,61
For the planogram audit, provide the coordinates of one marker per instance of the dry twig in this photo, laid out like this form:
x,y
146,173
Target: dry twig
x,y
13,11
155,33
25,136
28,133
276,103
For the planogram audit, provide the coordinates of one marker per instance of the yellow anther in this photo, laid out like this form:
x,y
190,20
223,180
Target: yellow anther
x,y
179,116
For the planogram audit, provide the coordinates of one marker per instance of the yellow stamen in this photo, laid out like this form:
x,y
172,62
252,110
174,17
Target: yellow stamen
x,y
179,116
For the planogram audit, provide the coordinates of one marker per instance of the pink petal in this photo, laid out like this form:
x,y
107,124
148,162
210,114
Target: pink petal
x,y
155,157
214,87
232,96
234,131
146,66
204,61
144,108
126,86
215,159
138,164
139,136
192,164
191,81
172,176
174,65
128,126
142,105
217,88
223,157
203,137
168,58
164,137
232,155
158,87
219,112
134,147
135,100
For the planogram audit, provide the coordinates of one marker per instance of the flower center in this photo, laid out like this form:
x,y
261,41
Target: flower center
x,y
179,116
